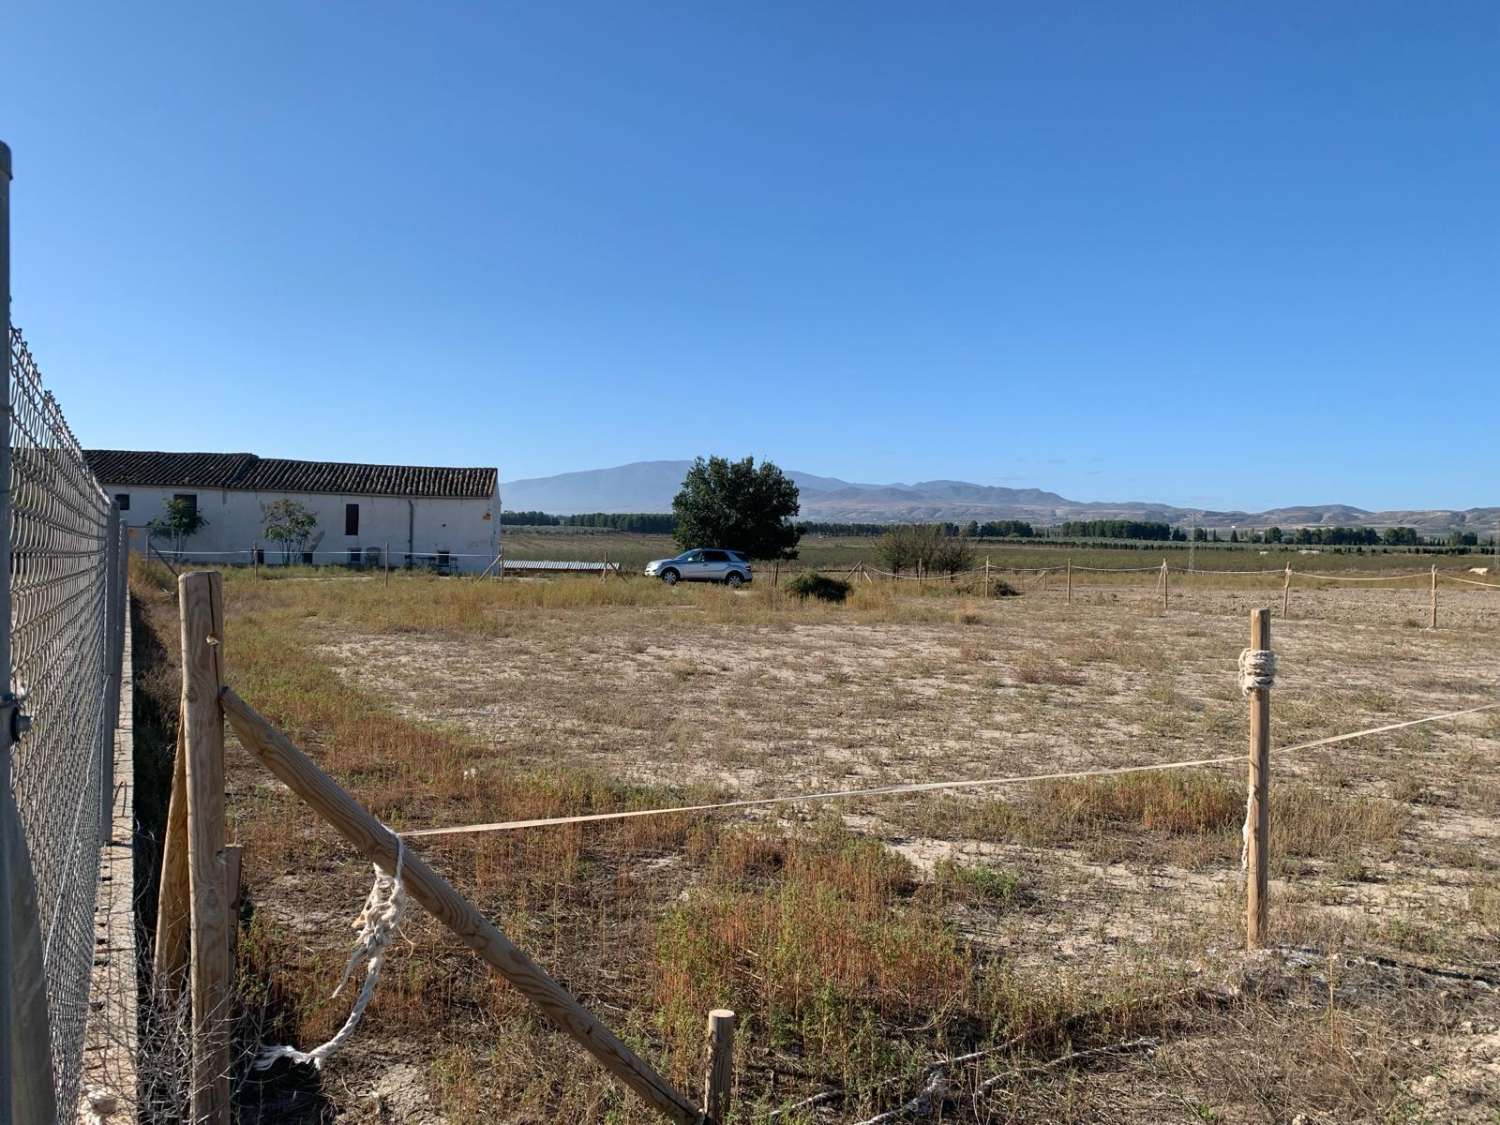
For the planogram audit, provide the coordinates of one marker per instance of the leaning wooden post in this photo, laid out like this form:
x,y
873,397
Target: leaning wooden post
x,y
379,844
720,1076
1070,580
986,576
1286,590
1258,811
171,954
1434,595
1163,587
200,599
603,574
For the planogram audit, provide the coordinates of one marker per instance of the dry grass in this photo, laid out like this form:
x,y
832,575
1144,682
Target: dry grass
x,y
864,941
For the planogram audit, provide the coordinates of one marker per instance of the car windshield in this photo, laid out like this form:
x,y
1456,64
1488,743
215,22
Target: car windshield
x,y
684,556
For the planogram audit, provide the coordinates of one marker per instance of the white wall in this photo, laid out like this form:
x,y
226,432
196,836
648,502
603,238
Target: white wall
x,y
468,529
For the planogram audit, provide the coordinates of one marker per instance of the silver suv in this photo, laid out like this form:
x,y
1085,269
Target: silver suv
x,y
702,564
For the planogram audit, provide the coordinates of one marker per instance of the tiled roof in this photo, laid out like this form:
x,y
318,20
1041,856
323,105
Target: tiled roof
x,y
251,473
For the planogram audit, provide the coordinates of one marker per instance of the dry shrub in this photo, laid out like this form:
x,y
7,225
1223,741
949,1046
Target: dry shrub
x,y
1037,668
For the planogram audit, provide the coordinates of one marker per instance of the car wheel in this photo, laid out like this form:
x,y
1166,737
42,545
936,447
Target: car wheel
x,y
670,577
735,580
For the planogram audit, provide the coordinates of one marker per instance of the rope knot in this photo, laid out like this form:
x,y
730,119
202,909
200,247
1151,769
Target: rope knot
x,y
1257,669
377,925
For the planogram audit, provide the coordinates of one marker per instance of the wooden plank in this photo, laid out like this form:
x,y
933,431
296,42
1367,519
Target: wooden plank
x,y
379,844
201,605
719,1080
1258,815
171,953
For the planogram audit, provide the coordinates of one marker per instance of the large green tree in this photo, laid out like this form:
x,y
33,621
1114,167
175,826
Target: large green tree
x,y
739,505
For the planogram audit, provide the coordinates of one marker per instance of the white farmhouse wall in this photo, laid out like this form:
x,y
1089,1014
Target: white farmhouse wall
x,y
468,529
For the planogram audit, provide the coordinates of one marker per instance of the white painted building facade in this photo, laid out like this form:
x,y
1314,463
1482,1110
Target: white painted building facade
x,y
429,517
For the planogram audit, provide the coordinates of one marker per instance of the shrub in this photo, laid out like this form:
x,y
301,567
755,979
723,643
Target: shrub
x,y
1000,588
819,586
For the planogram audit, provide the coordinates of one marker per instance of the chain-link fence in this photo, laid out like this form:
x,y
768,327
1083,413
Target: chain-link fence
x,y
66,621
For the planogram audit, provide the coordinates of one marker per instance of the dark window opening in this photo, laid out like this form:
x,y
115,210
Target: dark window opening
x,y
442,559
307,558
351,519
122,501
260,556
188,498
353,556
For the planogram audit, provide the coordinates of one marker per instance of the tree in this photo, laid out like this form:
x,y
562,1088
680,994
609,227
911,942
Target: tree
x,y
288,523
181,521
739,505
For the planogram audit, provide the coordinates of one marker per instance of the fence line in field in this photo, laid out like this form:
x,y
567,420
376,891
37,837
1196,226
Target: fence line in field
x,y
933,786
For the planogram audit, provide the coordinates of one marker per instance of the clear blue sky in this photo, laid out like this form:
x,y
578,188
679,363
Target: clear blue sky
x,y
1235,255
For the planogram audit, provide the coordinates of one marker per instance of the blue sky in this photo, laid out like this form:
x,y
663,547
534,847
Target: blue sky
x,y
1235,255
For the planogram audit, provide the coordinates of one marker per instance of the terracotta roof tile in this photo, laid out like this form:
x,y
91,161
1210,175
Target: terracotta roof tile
x,y
251,473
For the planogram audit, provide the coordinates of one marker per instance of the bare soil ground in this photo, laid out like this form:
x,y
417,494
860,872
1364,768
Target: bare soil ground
x,y
1083,937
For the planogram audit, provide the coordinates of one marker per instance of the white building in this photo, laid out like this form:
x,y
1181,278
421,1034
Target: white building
x,y
444,518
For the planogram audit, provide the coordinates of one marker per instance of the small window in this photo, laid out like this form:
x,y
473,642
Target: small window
x,y
188,498
351,519
307,558
442,559
122,501
353,556
715,556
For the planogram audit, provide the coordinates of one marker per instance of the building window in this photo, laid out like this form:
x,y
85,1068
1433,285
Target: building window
x,y
353,556
307,558
442,560
351,519
188,498
122,501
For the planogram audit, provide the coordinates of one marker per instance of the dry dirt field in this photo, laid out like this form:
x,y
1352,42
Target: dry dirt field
x,y
1038,952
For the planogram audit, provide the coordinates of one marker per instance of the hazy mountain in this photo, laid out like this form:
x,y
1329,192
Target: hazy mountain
x,y
648,486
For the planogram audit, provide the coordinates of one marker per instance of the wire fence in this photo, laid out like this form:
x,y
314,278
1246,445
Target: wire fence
x,y
66,631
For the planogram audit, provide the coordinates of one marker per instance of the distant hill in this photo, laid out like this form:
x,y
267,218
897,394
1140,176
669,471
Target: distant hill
x,y
648,486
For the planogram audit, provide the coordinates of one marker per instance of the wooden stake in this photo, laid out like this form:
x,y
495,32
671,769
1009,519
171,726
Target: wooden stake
x,y
720,1077
377,843
1163,587
255,558
1070,579
386,555
986,576
1434,595
1258,814
1286,591
171,959
200,600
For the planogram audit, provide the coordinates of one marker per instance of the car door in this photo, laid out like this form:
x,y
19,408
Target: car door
x,y
715,566
690,565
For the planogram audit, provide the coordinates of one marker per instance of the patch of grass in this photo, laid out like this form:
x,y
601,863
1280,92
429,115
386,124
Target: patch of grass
x,y
996,886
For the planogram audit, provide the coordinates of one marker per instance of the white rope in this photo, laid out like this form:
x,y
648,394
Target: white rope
x,y
1469,581
1257,669
377,925
934,786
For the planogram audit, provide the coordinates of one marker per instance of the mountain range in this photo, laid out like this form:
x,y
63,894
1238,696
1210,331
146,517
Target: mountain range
x,y
648,486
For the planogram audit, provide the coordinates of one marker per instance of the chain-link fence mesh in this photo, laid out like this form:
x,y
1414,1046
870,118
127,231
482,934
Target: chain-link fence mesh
x,y
62,634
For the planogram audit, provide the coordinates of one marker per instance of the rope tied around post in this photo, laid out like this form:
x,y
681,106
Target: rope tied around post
x,y
1257,669
377,924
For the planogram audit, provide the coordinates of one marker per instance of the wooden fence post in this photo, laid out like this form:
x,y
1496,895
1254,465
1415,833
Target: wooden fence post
x,y
720,1077
1163,587
386,555
986,576
255,558
171,955
1434,595
1258,812
1070,580
201,606
1286,591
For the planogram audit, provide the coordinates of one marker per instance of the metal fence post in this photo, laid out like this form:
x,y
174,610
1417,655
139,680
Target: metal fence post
x,y
112,638
26,1079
